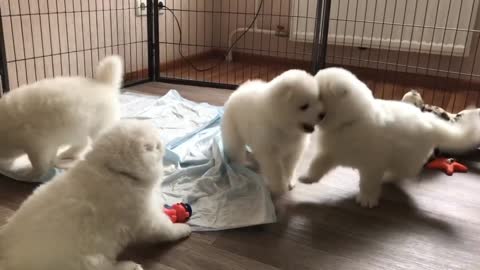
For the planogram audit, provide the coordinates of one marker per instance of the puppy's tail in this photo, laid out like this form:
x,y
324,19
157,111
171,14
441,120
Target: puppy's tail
x,y
110,71
458,137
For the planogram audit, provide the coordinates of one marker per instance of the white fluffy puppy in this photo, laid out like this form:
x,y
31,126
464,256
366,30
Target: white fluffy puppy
x,y
272,119
384,140
82,219
39,118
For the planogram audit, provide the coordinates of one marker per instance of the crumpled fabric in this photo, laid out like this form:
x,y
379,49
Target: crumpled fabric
x,y
222,195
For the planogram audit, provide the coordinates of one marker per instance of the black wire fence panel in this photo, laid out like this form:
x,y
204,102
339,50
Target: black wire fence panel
x,y
394,45
230,41
431,45
47,38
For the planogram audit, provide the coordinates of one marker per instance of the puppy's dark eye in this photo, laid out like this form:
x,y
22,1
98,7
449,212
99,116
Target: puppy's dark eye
x,y
304,107
149,147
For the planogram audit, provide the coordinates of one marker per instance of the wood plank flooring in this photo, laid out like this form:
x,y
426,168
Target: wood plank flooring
x,y
450,93
432,223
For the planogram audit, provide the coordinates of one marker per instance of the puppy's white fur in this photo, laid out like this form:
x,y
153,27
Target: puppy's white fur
x,y
272,119
382,139
39,118
83,219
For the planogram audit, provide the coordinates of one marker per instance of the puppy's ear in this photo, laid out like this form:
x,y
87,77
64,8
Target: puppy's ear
x,y
339,92
289,93
333,89
286,92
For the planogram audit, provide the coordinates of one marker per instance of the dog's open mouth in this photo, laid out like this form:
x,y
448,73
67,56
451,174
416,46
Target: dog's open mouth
x,y
308,128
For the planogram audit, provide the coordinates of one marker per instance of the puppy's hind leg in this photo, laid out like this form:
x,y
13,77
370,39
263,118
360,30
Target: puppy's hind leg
x,y
234,146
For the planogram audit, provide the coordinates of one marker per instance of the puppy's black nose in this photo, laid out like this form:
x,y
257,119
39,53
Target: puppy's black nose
x,y
308,128
321,116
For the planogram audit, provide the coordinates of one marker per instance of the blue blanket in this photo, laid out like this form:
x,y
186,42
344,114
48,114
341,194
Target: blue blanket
x,y
222,195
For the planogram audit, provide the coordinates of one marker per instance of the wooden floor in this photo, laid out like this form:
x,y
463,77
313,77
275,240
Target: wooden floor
x,y
242,68
452,94
433,223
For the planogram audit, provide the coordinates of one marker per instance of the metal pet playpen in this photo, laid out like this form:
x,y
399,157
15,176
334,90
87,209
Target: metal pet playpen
x,y
393,45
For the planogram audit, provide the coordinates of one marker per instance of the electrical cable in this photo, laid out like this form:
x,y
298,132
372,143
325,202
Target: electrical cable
x,y
161,5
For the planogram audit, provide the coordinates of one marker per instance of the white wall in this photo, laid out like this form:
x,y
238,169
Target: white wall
x,y
239,13
278,12
196,18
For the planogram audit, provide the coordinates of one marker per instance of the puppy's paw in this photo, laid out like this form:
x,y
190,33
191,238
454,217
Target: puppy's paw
x,y
367,200
182,230
128,265
307,179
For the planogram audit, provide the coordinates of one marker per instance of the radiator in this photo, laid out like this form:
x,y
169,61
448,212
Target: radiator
x,y
425,26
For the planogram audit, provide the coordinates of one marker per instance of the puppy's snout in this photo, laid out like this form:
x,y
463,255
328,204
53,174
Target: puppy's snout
x,y
321,116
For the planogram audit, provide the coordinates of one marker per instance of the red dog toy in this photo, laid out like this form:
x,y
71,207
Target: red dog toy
x,y
448,165
179,212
